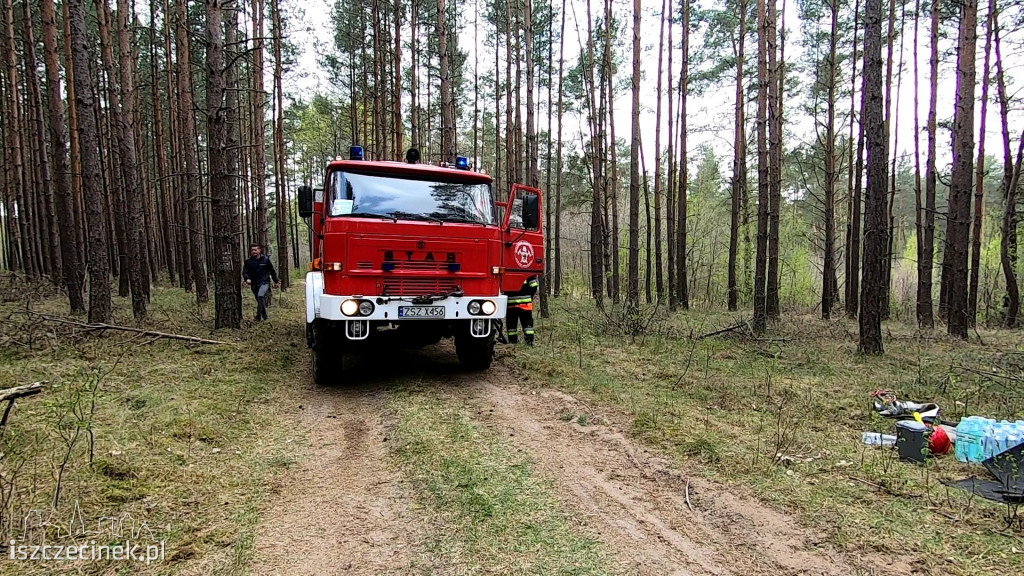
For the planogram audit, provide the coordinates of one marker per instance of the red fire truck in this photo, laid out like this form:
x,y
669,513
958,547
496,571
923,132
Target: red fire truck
x,y
406,253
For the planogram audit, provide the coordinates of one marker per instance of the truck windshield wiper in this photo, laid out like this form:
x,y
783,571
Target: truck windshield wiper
x,y
370,215
459,220
410,216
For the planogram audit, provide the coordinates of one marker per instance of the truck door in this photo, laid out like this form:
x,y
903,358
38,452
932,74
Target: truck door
x,y
523,237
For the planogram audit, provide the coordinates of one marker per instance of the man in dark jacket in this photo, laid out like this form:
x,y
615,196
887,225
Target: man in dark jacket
x,y
258,272
520,310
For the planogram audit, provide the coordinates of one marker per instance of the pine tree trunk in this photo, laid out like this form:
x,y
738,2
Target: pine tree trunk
x,y
227,292
138,271
739,169
95,203
979,180
659,277
72,269
828,279
16,160
763,193
890,128
924,308
772,308
853,181
396,102
670,196
280,176
596,220
195,226
633,272
958,223
684,175
931,179
875,231
447,92
1008,227
558,178
260,133
48,236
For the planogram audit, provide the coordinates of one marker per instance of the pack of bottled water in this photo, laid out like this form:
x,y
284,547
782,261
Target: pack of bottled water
x,y
979,438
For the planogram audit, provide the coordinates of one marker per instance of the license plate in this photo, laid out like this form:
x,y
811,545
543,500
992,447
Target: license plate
x,y
421,311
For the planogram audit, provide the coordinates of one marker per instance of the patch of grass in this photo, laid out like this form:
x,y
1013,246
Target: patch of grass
x,y
181,436
782,417
496,514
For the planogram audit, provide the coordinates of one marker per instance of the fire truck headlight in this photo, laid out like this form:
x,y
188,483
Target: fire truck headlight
x,y
474,307
350,307
365,308
488,307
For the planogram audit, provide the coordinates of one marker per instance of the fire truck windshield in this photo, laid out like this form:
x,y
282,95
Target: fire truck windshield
x,y
362,195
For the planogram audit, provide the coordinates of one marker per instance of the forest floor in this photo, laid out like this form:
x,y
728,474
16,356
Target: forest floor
x,y
591,453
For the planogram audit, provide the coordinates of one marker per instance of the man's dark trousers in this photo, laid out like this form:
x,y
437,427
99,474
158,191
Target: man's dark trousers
x,y
260,292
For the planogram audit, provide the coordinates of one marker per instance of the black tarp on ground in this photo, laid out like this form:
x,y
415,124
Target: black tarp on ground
x,y
1007,469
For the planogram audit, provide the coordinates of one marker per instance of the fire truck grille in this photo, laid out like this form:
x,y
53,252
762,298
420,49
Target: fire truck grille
x,y
418,286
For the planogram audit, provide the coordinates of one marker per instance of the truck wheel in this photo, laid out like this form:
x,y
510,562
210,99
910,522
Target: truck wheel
x,y
326,356
324,371
475,353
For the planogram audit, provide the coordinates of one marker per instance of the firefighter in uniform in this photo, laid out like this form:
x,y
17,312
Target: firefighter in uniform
x,y
520,310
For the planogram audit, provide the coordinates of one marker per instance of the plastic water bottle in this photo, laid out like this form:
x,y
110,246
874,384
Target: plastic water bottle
x,y
877,439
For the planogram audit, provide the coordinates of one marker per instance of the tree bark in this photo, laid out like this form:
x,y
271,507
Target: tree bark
x,y
633,273
854,184
188,143
48,233
979,180
875,231
761,264
16,161
958,223
659,274
558,179
227,294
739,160
136,219
447,93
72,268
1008,228
280,166
682,208
772,308
95,203
828,278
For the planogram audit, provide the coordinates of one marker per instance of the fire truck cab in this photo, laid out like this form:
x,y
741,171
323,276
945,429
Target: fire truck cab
x,y
405,254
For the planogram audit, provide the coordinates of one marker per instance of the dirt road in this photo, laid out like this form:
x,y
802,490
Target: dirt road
x,y
344,510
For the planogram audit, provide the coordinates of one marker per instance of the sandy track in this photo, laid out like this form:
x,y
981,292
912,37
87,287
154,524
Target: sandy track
x,y
342,510
345,511
637,503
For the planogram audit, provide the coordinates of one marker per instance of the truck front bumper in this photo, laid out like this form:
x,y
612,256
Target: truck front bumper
x,y
395,309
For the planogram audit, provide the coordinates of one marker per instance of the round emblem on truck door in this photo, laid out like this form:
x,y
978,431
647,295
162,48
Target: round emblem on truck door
x,y
524,253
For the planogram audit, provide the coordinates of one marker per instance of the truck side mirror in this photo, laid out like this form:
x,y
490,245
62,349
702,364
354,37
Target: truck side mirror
x,y
531,212
305,201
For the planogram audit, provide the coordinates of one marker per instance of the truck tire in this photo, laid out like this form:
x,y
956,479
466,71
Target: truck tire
x,y
475,353
326,358
325,372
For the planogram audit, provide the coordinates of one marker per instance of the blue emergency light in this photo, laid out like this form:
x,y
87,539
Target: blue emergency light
x,y
462,163
355,153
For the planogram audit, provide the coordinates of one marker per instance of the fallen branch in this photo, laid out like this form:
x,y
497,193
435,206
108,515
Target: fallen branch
x,y
9,395
724,330
992,375
102,326
20,391
688,505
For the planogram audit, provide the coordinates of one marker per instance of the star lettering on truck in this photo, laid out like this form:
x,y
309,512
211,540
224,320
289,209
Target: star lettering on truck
x,y
524,253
